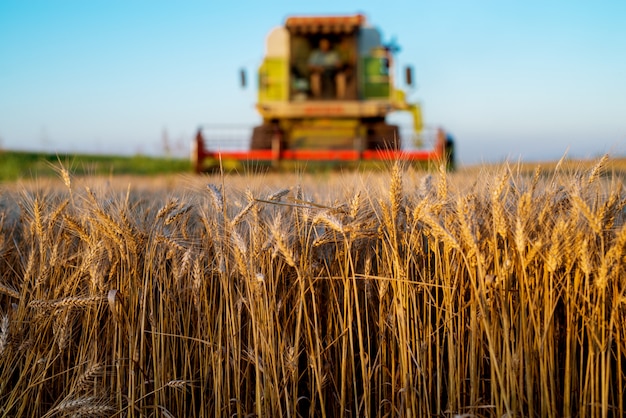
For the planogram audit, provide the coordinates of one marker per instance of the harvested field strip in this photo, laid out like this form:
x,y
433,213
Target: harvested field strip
x,y
396,294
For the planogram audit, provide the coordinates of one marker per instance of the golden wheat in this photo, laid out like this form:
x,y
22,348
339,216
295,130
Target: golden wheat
x,y
500,294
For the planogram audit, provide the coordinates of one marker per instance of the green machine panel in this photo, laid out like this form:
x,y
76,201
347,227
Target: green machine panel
x,y
375,73
273,80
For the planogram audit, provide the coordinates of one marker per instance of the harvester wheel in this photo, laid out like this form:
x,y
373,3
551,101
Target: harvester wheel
x,y
262,137
383,136
449,153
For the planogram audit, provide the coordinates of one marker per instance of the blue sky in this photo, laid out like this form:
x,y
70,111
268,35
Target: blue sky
x,y
509,79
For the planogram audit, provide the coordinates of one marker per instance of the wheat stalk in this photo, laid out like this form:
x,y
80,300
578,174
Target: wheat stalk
x,y
178,384
281,245
171,204
67,302
595,221
4,333
499,218
174,215
9,291
277,196
217,197
395,192
329,220
595,172
239,217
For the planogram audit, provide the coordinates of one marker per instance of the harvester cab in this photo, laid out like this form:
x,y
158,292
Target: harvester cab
x,y
325,88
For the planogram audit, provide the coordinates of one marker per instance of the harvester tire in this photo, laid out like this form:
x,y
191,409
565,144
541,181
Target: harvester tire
x,y
450,153
384,136
262,137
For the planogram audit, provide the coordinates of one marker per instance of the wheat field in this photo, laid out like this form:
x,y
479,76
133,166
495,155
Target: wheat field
x,y
402,293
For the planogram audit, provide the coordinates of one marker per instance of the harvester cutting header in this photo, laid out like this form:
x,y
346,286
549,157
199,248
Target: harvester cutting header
x,y
325,88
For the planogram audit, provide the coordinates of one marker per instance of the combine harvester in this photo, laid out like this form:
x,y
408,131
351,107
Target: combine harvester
x,y
332,115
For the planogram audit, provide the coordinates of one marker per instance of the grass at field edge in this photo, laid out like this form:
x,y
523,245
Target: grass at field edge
x,y
16,165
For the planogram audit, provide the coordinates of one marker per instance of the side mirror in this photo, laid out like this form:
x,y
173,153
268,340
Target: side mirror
x,y
408,75
242,78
